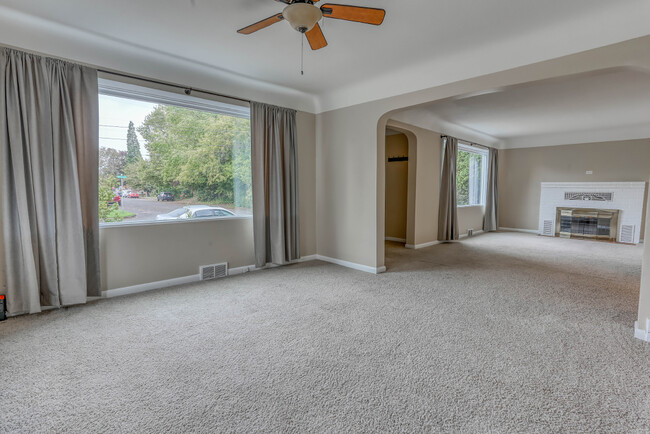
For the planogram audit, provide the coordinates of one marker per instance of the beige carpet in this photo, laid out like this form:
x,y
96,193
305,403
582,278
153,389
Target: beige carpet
x,y
500,333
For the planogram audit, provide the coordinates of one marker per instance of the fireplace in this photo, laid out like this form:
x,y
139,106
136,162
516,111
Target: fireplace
x,y
590,223
621,204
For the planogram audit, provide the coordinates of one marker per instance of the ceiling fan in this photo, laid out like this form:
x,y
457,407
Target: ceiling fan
x,y
303,16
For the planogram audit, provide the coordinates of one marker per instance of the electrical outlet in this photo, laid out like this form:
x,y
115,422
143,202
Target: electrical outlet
x,y
589,172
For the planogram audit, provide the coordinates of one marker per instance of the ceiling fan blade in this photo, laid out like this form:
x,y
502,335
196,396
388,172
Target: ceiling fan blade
x,y
316,38
261,24
354,13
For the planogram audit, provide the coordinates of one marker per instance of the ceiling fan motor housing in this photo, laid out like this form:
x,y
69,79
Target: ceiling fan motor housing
x,y
302,16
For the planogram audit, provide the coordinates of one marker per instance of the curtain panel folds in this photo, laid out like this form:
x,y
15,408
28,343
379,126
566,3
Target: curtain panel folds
x,y
48,192
275,184
491,217
447,212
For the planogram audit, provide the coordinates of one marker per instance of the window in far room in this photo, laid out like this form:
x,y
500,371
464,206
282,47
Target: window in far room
x,y
471,175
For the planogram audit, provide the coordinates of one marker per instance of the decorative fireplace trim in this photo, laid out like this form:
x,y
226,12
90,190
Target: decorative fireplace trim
x,y
627,197
604,197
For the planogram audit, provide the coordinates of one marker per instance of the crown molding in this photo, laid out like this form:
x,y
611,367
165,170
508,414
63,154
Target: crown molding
x,y
624,22
27,32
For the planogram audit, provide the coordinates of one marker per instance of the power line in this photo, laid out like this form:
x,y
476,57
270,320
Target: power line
x,y
113,126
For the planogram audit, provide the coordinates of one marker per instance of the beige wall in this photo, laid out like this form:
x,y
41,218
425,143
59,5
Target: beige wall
x,y
137,254
424,181
350,169
644,297
522,170
470,217
396,186
426,185
306,125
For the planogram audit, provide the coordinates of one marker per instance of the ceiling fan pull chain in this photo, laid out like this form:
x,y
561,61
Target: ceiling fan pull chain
x,y
302,54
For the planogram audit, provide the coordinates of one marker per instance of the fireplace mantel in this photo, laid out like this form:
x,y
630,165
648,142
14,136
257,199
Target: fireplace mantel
x,y
626,197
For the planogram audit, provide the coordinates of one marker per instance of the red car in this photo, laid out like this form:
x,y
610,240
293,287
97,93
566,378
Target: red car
x,y
117,199
134,195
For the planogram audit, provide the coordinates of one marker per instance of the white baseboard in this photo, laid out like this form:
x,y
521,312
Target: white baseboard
x,y
644,335
421,246
353,265
480,231
397,240
241,270
308,258
151,285
231,272
528,231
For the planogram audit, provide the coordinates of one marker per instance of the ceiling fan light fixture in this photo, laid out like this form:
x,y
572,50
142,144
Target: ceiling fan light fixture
x,y
302,16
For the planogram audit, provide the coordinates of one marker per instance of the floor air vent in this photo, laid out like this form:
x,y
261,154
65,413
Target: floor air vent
x,y
470,232
215,271
548,228
627,234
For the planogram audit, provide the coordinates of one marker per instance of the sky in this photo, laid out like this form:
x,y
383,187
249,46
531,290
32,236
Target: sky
x,y
114,116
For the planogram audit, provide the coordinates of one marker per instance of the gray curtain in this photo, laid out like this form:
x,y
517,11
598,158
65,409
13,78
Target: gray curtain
x,y
275,184
48,196
447,213
491,217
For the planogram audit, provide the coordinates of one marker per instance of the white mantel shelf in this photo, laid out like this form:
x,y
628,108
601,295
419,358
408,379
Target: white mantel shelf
x,y
595,186
627,197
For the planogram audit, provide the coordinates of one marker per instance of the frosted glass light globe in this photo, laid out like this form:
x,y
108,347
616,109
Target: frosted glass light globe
x,y
302,16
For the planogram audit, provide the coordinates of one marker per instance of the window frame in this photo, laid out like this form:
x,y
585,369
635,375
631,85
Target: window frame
x,y
484,152
145,91
142,92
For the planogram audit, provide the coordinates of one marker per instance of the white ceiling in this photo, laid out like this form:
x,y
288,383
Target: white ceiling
x,y
602,105
362,62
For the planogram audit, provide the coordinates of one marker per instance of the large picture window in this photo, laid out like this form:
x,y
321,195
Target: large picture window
x,y
471,175
167,157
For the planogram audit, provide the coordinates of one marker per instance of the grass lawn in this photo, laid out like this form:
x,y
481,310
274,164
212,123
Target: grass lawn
x,y
124,214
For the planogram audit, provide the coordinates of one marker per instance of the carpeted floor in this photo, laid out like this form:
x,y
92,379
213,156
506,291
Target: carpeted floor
x,y
499,333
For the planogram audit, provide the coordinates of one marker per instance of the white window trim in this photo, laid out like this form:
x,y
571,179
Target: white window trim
x,y
124,224
485,153
138,92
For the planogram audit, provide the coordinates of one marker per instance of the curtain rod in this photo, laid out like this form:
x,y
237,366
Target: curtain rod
x,y
187,90
466,141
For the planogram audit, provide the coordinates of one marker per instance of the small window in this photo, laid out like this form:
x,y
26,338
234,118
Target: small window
x,y
471,175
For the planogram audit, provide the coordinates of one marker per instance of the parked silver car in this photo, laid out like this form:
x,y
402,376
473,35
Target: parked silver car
x,y
196,212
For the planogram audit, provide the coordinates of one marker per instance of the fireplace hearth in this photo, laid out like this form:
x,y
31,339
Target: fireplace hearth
x,y
589,223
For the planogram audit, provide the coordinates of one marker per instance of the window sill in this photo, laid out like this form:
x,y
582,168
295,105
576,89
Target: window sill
x,y
127,224
470,206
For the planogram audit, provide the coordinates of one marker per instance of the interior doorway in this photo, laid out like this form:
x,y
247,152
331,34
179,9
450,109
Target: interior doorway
x,y
397,180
